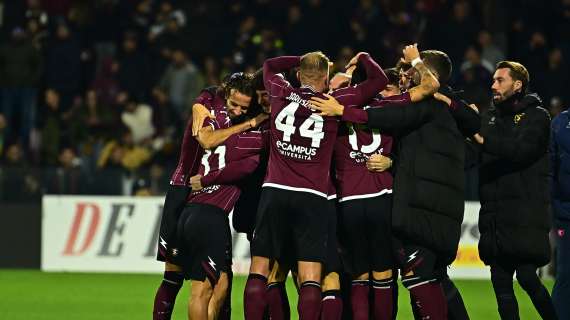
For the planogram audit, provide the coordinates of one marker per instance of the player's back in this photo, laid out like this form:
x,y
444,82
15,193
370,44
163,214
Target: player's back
x,y
302,143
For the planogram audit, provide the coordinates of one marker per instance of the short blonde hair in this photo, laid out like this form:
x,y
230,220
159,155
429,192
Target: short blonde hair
x,y
517,71
314,65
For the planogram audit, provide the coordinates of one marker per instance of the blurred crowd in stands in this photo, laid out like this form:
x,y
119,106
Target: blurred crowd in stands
x,y
94,94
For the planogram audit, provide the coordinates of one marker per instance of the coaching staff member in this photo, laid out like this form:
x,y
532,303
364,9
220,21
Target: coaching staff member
x,y
514,221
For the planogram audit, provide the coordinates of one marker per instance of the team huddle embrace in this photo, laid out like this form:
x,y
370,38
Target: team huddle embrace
x,y
359,175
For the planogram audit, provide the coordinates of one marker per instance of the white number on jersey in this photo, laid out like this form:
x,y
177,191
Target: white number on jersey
x,y
288,128
373,146
221,152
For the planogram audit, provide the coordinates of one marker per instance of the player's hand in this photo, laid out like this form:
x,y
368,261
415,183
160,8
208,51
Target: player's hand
x,y
199,114
327,107
339,80
378,163
478,138
196,182
474,107
354,60
443,98
255,122
410,53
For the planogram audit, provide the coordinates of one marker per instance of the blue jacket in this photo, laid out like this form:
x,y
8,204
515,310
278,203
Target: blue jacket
x,y
560,165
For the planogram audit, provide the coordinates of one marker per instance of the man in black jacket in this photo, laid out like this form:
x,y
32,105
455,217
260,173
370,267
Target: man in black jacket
x,y
428,189
513,220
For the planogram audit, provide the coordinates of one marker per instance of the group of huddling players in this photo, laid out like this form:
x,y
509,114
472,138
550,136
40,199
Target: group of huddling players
x,y
358,175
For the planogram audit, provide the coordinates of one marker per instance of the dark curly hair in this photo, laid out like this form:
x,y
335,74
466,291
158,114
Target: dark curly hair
x,y
239,81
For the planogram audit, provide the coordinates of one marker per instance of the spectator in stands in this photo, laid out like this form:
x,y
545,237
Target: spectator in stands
x,y
475,76
123,154
106,84
138,118
3,125
133,67
212,74
179,85
52,118
166,11
20,67
162,47
67,177
490,51
35,12
91,121
37,35
106,29
141,187
18,181
461,27
63,65
553,81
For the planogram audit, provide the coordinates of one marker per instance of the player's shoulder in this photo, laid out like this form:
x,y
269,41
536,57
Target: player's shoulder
x,y
538,112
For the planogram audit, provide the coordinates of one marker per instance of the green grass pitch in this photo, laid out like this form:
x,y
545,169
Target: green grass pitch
x,y
34,295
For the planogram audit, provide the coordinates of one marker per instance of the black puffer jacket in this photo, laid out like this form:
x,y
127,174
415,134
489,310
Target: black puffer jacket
x,y
514,221
429,185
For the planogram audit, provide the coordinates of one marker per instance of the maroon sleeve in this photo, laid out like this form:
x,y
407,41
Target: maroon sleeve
x,y
249,143
355,115
274,83
362,93
232,172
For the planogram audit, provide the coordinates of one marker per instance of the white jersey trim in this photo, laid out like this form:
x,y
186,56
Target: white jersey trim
x,y
280,186
365,196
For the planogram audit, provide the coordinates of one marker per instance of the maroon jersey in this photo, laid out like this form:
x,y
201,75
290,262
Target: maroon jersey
x,y
191,151
237,157
354,146
301,140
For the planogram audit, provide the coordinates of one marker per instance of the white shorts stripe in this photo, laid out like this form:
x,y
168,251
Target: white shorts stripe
x,y
365,196
280,186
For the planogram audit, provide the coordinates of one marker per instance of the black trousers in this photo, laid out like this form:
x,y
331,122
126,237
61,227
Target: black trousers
x,y
502,278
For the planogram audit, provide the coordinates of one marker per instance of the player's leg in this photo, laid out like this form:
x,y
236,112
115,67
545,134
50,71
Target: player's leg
x,y
219,294
200,294
529,281
309,304
356,254
226,309
167,291
383,294
502,279
421,280
332,304
222,298
379,223
267,239
310,227
168,251
206,237
277,299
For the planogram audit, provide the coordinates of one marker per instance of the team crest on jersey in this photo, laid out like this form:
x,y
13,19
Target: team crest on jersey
x,y
518,117
492,121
